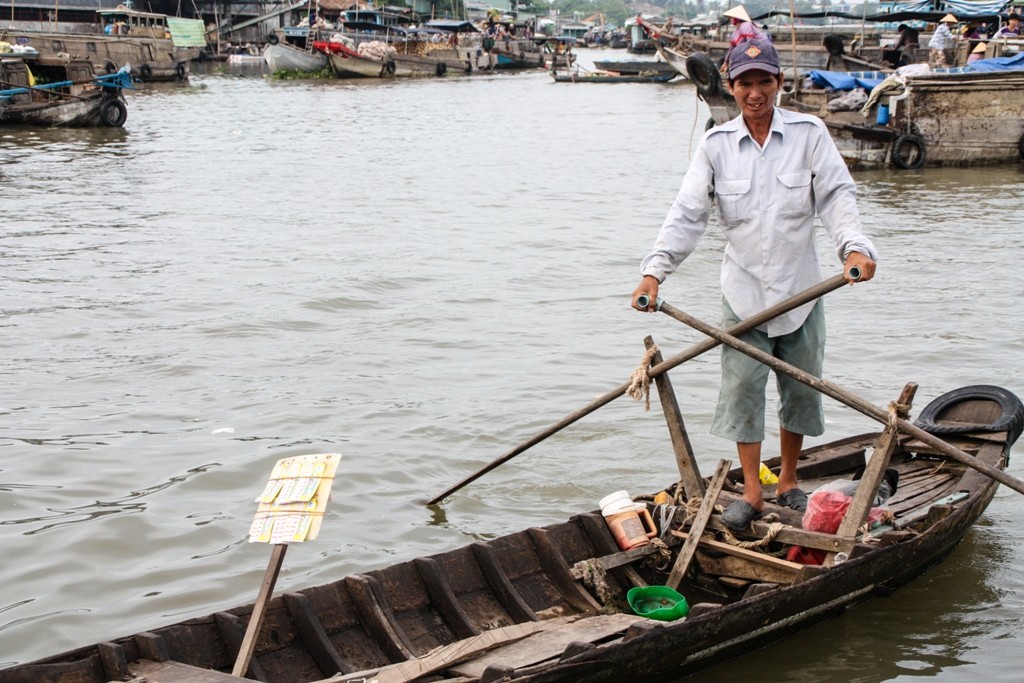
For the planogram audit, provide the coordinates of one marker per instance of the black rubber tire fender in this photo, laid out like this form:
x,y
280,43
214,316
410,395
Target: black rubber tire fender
x,y
113,113
273,39
833,43
441,69
909,152
146,71
702,71
181,71
1011,418
390,67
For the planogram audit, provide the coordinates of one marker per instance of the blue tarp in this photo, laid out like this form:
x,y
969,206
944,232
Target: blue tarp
x,y
1014,63
841,80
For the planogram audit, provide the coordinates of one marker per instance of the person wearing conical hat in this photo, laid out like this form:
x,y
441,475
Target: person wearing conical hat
x,y
942,46
743,26
977,53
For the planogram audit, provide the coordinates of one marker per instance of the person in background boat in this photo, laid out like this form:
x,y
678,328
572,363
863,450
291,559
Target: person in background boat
x,y
1012,28
744,29
768,172
978,53
902,51
942,46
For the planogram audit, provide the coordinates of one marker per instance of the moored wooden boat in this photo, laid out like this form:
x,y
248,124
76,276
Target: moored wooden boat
x,y
158,47
376,51
550,604
652,76
71,96
634,66
943,117
281,55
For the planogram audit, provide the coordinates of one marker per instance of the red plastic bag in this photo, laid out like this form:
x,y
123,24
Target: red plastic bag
x,y
829,503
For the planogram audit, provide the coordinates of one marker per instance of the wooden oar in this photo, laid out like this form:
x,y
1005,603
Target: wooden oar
x,y
804,297
846,397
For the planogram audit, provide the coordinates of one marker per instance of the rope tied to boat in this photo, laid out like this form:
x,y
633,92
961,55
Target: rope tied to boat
x,y
640,382
897,411
760,545
595,578
661,559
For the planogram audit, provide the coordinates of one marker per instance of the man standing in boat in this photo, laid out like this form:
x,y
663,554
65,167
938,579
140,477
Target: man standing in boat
x,y
769,171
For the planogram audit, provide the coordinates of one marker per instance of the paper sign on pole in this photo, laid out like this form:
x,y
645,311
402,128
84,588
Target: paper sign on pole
x,y
293,502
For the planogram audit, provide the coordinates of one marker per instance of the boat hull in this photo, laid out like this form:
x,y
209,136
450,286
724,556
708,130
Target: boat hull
x,y
948,119
550,604
943,118
151,59
283,57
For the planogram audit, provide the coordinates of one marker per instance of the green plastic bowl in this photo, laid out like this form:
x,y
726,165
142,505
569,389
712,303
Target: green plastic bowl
x,y
657,602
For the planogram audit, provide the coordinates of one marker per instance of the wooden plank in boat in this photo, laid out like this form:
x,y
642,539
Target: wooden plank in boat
x,y
741,568
453,653
551,643
176,672
785,566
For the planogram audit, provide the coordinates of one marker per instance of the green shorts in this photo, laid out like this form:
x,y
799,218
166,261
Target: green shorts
x,y
741,400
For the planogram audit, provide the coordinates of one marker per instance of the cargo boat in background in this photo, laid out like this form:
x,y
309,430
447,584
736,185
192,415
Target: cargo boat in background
x,y
157,47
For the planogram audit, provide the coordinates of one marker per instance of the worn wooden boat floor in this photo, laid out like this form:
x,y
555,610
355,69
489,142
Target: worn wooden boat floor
x,y
549,604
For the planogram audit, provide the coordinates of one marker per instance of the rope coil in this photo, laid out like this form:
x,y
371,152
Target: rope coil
x,y
640,382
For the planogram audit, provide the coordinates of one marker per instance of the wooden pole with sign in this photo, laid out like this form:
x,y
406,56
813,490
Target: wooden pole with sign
x,y
291,510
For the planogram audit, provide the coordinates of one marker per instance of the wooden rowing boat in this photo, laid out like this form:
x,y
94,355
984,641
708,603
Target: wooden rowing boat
x,y
652,76
550,604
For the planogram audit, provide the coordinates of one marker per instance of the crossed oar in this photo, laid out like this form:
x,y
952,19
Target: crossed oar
x,y
728,337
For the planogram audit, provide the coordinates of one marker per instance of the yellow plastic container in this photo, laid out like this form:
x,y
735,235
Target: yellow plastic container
x,y
766,476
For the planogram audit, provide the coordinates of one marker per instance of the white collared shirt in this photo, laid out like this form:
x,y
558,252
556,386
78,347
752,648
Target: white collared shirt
x,y
766,201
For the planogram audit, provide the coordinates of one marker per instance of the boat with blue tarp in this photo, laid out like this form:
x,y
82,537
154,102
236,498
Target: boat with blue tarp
x,y
61,94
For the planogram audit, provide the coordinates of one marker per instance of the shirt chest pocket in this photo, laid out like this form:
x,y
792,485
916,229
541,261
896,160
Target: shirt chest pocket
x,y
794,198
733,200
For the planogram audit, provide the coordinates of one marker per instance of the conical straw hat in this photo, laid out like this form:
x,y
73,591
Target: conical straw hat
x,y
739,13
948,18
980,47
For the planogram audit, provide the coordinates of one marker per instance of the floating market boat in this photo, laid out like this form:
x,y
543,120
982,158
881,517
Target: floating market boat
x,y
61,94
634,66
158,47
652,76
281,56
368,50
961,116
596,597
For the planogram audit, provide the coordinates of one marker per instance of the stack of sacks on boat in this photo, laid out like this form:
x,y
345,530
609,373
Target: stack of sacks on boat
x,y
376,49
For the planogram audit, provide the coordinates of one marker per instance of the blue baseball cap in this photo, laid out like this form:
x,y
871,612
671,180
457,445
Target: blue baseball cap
x,y
753,54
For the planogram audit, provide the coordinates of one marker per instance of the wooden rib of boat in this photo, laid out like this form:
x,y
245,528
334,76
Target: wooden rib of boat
x,y
550,604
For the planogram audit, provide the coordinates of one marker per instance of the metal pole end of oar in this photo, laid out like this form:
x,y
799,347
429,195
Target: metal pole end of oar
x,y
855,273
643,301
